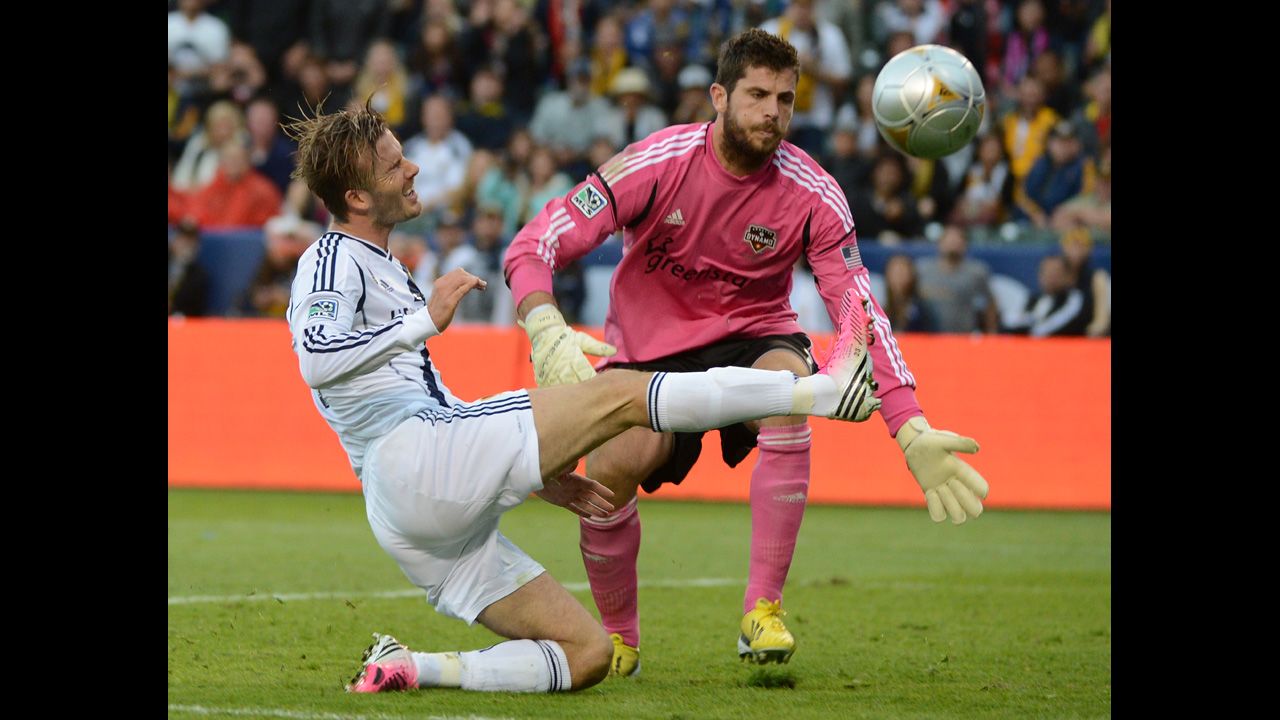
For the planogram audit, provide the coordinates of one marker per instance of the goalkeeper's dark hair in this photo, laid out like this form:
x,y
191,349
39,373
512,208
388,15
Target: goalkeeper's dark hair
x,y
753,48
336,152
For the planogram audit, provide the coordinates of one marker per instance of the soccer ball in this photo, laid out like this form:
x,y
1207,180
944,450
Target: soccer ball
x,y
928,101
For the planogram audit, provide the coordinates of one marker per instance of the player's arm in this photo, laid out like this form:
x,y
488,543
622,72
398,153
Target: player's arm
x,y
951,487
327,292
566,229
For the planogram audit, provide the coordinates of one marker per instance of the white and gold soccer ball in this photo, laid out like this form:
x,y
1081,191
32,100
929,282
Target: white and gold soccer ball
x,y
928,101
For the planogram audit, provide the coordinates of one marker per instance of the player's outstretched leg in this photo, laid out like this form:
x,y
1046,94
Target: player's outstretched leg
x,y
571,651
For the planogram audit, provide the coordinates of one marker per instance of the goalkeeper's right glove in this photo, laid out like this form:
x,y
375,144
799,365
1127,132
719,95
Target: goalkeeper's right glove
x,y
558,357
950,486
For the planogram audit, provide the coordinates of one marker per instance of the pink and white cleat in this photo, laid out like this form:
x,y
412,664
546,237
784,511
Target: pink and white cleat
x,y
850,362
388,666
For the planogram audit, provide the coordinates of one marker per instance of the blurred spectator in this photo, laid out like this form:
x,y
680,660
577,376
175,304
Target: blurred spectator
x,y
499,38
668,61
1058,309
955,288
1093,283
241,77
412,251
854,21
608,56
806,301
886,211
924,19
694,102
442,152
633,116
384,77
1059,175
1061,96
341,32
1024,44
223,125
1097,49
198,42
1089,210
1068,22
1027,128
504,182
238,196
545,183
825,68
656,23
931,188
436,62
857,117
850,169
452,251
188,281
988,186
184,115
177,200
1093,120
269,150
567,121
906,311
276,30
495,304
968,34
286,238
484,119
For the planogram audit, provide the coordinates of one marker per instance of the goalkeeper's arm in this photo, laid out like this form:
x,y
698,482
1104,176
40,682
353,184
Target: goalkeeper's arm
x,y
558,350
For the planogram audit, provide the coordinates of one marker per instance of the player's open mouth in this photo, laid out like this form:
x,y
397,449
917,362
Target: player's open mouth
x,y
412,194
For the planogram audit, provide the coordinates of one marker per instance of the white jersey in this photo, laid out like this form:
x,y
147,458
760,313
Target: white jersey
x,y
345,312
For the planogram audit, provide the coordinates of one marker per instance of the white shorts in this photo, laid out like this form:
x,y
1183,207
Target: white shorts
x,y
435,488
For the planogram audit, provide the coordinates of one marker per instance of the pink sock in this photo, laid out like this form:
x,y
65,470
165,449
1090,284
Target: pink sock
x,y
609,551
779,488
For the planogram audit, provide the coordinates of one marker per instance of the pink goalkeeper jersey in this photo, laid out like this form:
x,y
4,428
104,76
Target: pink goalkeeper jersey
x,y
707,256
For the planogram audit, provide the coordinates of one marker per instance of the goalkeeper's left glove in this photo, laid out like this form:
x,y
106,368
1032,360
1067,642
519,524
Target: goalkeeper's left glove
x,y
558,357
950,486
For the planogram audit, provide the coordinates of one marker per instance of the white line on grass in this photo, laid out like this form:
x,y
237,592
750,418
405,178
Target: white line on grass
x,y
297,715
415,592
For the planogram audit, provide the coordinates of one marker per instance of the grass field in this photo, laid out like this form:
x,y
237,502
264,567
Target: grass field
x,y
273,596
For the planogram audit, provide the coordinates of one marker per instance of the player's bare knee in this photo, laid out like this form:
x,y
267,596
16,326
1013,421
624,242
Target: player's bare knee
x,y
593,661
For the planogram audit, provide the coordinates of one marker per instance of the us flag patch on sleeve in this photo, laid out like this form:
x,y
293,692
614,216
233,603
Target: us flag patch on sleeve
x,y
852,258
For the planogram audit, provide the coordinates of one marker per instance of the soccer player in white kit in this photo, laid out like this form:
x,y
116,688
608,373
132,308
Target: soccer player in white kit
x,y
437,473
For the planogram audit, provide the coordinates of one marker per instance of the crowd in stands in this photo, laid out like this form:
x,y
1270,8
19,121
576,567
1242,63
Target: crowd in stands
x,y
506,104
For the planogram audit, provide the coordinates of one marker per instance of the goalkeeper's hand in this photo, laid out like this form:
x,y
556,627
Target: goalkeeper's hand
x,y
558,357
950,486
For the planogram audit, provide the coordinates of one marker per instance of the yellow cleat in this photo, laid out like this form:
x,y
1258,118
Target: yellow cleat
x,y
764,638
626,659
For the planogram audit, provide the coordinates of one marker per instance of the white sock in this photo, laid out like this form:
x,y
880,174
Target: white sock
x,y
815,395
512,666
691,402
438,669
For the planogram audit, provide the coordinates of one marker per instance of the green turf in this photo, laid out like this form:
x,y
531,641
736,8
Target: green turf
x,y
1009,616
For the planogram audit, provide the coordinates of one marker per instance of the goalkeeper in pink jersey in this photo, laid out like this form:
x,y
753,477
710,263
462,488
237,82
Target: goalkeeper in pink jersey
x,y
714,216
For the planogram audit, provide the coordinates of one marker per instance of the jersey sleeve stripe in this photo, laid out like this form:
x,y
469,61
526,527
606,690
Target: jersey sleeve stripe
x,y
654,160
885,335
824,186
312,340
611,169
845,222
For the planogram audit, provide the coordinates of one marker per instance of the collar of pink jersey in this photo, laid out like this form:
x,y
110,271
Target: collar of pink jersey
x,y
717,171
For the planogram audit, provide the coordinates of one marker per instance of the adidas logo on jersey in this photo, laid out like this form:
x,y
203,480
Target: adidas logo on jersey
x,y
675,218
